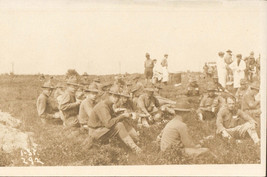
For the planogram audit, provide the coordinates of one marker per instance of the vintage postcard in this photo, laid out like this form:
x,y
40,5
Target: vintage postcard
x,y
133,88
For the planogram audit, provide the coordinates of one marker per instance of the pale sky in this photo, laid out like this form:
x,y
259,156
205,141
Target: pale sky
x,y
51,37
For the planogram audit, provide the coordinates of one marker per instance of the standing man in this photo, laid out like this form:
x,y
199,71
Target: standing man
x,y
229,126
87,105
45,109
69,106
228,60
238,67
103,124
149,65
165,73
221,69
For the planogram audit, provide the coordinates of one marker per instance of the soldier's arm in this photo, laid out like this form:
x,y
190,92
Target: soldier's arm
x,y
245,116
219,121
41,106
106,118
251,103
65,103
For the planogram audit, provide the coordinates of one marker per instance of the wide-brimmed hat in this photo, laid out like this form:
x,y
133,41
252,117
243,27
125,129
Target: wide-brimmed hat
x,y
255,86
59,85
48,84
73,81
115,90
91,88
229,51
125,93
165,54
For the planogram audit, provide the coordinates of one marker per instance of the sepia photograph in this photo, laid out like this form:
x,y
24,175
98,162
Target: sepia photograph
x,y
134,87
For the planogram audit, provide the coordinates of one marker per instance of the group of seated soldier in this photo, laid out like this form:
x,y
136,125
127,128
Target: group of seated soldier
x,y
103,114
236,115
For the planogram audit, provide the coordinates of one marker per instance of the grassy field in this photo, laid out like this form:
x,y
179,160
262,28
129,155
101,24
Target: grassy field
x,y
18,97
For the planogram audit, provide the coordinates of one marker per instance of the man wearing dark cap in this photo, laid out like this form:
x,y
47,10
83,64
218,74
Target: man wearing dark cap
x,y
103,124
149,65
46,111
210,104
69,105
176,132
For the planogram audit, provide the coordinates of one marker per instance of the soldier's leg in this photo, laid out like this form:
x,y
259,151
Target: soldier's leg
x,y
132,132
125,137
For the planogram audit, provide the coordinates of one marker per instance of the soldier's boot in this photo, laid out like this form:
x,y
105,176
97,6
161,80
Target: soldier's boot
x,y
254,136
195,151
87,143
129,142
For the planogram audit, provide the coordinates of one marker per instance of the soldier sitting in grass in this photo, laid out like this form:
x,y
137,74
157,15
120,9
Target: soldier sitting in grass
x,y
234,123
241,91
249,103
87,105
104,124
147,104
176,132
46,111
210,104
69,106
193,88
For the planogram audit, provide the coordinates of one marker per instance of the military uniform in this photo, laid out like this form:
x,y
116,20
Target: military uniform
x,y
175,132
70,109
236,123
149,64
207,105
85,110
45,109
103,124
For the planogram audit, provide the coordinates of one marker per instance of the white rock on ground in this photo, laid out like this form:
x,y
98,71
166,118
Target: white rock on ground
x,y
12,138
